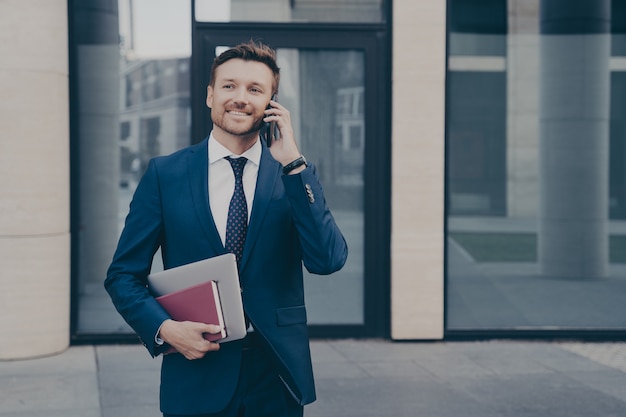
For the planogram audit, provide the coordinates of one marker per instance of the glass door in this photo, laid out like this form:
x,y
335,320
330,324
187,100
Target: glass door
x,y
331,83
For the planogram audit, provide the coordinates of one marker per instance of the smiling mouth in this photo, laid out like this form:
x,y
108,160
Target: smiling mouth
x,y
238,113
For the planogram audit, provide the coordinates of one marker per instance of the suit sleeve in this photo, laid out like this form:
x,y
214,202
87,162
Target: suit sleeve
x,y
324,248
126,280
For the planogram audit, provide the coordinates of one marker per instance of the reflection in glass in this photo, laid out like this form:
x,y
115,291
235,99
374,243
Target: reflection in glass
x,y
361,11
536,149
148,74
324,91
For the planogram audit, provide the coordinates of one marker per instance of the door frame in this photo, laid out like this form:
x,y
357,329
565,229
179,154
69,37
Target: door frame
x,y
374,41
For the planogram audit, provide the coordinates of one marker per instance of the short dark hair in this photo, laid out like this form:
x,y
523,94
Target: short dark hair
x,y
249,51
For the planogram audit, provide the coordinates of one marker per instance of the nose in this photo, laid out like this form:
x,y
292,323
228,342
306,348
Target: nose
x,y
241,97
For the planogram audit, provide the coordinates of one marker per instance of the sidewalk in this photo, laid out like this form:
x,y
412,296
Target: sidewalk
x,y
364,378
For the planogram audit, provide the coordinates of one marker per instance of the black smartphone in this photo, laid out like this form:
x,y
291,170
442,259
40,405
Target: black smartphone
x,y
270,131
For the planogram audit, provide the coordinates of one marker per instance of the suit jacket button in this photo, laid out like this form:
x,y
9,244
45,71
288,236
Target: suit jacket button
x,y
309,193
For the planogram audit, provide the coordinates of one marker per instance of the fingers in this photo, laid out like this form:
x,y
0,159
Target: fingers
x,y
187,337
197,349
199,345
285,149
205,328
197,352
276,112
212,328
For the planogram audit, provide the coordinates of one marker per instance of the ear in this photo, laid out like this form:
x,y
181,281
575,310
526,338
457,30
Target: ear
x,y
209,96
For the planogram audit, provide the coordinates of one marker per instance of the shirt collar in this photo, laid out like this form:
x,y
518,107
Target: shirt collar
x,y
217,151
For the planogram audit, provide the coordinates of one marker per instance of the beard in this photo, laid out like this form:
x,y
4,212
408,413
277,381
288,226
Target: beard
x,y
237,129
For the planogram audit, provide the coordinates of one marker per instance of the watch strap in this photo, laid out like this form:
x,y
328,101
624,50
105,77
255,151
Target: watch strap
x,y
294,164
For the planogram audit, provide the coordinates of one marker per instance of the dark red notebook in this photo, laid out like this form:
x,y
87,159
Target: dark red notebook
x,y
199,303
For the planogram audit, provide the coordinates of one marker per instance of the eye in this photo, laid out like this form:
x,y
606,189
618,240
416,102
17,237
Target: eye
x,y
228,86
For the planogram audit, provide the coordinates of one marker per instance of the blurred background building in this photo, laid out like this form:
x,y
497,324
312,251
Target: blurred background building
x,y
472,152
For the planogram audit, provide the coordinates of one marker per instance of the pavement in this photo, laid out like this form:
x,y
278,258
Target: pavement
x,y
364,378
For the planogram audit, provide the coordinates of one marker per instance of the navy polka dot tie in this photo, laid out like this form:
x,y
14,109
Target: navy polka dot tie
x,y
237,223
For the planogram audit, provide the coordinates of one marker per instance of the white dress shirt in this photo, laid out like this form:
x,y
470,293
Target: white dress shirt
x,y
222,180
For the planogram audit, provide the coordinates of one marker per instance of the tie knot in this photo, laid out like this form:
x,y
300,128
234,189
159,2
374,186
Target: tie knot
x,y
237,164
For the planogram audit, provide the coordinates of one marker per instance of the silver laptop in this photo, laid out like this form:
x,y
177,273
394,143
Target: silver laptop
x,y
221,269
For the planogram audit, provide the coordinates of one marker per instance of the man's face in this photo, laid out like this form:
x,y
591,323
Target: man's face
x,y
238,97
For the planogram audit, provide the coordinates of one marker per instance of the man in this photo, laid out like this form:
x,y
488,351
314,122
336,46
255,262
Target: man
x,y
182,206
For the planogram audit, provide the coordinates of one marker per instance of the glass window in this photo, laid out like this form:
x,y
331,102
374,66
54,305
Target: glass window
x,y
324,90
477,28
535,179
134,104
332,122
618,28
353,11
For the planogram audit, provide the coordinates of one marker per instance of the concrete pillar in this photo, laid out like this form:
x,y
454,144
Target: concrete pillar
x,y
418,133
522,122
98,70
34,179
574,129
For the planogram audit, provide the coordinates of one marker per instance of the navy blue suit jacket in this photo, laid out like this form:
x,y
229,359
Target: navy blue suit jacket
x,y
290,225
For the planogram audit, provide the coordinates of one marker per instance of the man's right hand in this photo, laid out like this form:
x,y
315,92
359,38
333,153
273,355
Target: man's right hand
x,y
187,337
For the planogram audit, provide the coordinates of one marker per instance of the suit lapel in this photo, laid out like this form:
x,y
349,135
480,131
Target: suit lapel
x,y
269,173
198,169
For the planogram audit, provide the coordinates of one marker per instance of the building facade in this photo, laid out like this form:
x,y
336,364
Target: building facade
x,y
472,152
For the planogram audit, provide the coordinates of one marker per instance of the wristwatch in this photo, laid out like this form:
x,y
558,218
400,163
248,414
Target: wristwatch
x,y
295,164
